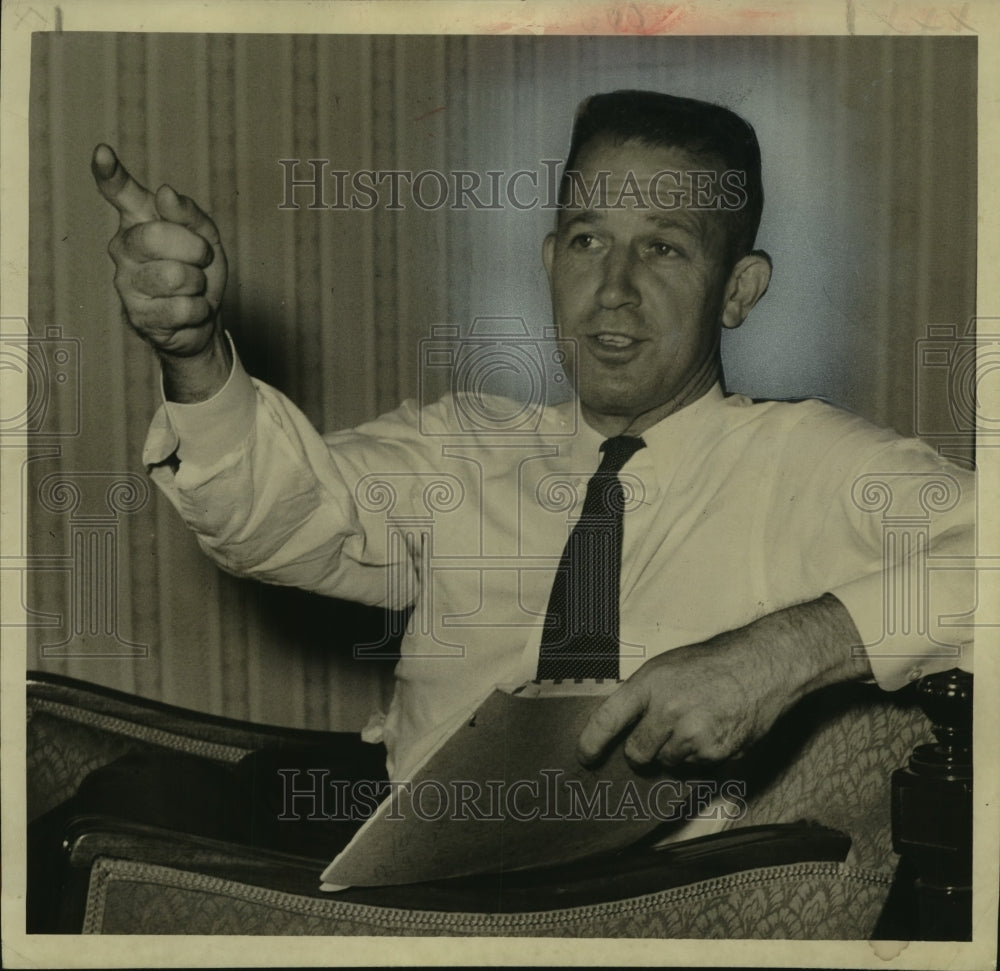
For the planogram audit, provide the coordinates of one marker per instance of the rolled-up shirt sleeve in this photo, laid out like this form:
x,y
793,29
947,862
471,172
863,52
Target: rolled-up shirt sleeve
x,y
267,498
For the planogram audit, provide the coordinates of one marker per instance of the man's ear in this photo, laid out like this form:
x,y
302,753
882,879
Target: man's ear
x,y
548,253
747,283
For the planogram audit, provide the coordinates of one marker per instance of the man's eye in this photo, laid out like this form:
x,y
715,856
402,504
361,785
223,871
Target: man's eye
x,y
662,249
582,241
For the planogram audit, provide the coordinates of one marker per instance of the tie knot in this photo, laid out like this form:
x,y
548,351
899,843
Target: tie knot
x,y
618,450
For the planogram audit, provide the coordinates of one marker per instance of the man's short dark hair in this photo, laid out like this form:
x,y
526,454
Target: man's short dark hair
x,y
710,133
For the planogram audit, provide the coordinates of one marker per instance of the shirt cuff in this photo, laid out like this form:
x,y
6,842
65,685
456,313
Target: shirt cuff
x,y
896,659
202,432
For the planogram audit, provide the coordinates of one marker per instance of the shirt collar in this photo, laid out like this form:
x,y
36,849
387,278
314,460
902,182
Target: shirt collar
x,y
678,431
669,438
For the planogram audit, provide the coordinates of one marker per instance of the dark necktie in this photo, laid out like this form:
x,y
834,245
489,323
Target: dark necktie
x,y
580,639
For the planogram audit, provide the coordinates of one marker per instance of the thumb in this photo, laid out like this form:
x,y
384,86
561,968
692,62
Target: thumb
x,y
133,201
185,211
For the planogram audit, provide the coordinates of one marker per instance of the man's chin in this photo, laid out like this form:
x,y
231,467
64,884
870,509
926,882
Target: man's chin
x,y
603,412
615,399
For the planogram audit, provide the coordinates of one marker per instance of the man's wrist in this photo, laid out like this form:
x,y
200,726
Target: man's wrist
x,y
206,431
188,380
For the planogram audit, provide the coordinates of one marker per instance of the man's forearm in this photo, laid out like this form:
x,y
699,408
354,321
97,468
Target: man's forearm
x,y
709,701
818,642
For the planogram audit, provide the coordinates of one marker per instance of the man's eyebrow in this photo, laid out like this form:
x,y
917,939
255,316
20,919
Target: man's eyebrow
x,y
582,217
691,227
662,221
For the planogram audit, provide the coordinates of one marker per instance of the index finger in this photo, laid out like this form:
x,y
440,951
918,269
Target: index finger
x,y
133,201
615,714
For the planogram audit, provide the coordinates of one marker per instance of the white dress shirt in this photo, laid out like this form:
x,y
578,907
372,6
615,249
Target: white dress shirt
x,y
736,510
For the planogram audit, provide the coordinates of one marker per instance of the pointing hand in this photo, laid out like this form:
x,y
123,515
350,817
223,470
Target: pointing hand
x,y
170,267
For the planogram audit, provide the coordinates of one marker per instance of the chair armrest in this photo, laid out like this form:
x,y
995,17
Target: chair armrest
x,y
629,873
47,690
75,727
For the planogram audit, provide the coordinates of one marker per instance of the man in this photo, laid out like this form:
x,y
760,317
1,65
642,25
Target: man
x,y
750,576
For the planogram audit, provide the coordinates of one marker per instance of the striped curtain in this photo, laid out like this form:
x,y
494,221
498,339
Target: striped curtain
x,y
869,149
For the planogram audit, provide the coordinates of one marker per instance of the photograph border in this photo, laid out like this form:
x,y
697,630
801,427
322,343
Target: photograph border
x,y
20,20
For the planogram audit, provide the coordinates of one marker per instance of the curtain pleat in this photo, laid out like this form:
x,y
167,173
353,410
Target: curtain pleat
x,y
869,152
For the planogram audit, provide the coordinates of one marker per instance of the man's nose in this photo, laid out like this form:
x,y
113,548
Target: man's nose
x,y
618,288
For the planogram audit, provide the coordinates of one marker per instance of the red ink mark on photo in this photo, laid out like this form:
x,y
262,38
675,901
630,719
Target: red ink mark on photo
x,y
427,114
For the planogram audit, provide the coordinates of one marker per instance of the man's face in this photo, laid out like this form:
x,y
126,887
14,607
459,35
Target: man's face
x,y
637,290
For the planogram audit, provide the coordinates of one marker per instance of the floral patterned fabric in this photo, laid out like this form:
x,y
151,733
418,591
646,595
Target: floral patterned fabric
x,y
840,775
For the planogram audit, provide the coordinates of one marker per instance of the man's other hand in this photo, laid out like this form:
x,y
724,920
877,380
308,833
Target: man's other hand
x,y
711,701
170,272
